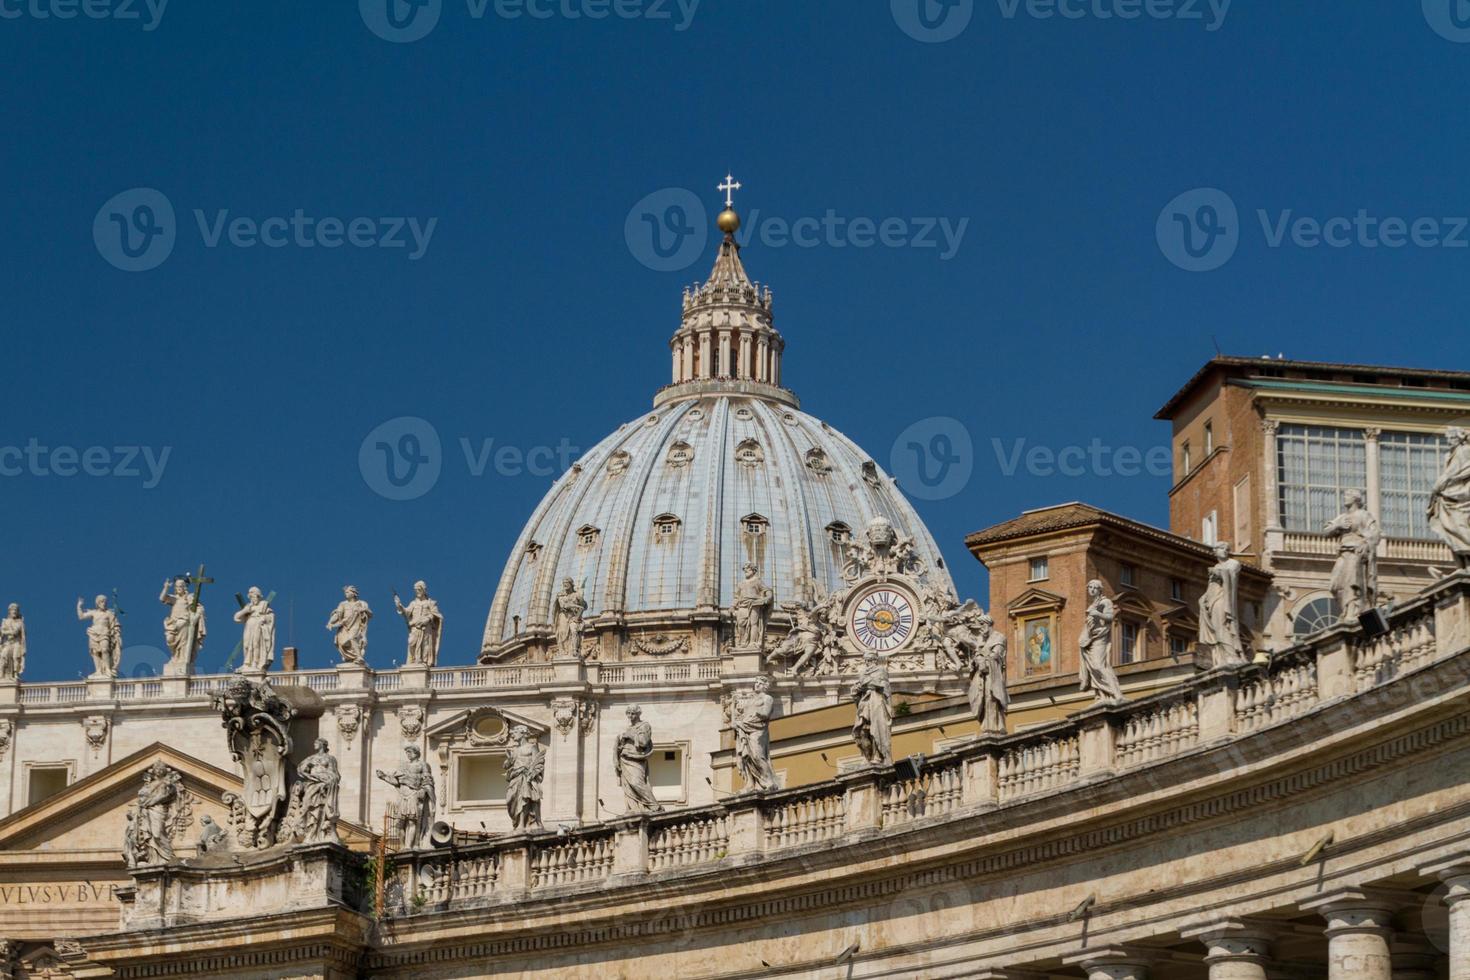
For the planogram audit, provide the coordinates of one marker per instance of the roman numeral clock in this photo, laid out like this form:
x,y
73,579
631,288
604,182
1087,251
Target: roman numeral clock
x,y
881,618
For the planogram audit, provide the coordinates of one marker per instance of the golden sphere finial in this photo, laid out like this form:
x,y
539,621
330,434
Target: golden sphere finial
x,y
728,221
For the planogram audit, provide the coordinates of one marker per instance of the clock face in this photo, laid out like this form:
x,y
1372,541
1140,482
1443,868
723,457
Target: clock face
x,y
882,619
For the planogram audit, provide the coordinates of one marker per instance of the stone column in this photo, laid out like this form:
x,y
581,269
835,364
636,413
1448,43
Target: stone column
x,y
1111,963
1455,873
1234,949
761,360
566,760
1269,485
1359,927
1374,489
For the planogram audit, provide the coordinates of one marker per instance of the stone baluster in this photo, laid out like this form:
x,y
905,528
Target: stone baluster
x,y
1455,873
1235,949
1359,927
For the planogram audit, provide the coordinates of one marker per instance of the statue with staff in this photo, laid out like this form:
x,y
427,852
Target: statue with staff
x,y
425,625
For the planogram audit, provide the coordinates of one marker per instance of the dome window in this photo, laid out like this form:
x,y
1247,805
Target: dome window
x,y
665,526
817,462
681,454
750,453
587,536
870,475
744,414
754,525
839,532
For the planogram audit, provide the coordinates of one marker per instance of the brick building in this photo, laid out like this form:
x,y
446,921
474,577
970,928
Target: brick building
x,y
1265,448
1040,564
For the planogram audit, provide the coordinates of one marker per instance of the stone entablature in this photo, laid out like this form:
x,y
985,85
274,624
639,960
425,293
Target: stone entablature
x,y
1278,793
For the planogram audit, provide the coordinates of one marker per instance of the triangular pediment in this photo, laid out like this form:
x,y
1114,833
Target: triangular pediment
x,y
90,815
483,726
1134,602
1035,600
1181,617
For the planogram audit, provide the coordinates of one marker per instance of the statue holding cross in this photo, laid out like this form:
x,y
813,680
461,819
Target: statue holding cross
x,y
184,628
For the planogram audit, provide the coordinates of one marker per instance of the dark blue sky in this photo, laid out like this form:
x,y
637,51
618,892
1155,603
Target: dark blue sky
x,y
1057,317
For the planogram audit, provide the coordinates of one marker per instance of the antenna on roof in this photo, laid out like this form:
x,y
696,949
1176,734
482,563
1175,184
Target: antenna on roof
x,y
1218,351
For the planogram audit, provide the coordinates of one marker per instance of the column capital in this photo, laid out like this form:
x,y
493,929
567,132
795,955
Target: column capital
x,y
1356,910
1454,871
1116,962
1233,940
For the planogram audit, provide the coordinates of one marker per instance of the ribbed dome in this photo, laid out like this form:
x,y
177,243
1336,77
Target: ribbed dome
x,y
662,514
660,517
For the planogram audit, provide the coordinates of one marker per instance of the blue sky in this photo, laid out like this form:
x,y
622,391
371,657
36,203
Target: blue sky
x,y
1058,311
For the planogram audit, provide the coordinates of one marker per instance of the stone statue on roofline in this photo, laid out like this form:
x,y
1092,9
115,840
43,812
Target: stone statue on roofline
x,y
1095,645
1449,501
525,768
104,636
1219,612
631,763
750,718
349,621
752,608
568,607
425,626
1355,573
411,811
12,644
873,729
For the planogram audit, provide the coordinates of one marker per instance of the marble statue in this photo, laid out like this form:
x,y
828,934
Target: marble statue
x,y
813,637
212,837
936,604
314,810
1355,574
425,626
350,622
257,722
1219,612
259,643
987,692
1095,664
184,628
750,717
568,609
12,644
873,730
1449,501
752,609
525,766
635,746
880,550
104,637
157,816
412,811
130,840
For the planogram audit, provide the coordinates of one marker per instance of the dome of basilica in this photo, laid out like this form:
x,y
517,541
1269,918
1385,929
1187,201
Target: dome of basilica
x,y
656,523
